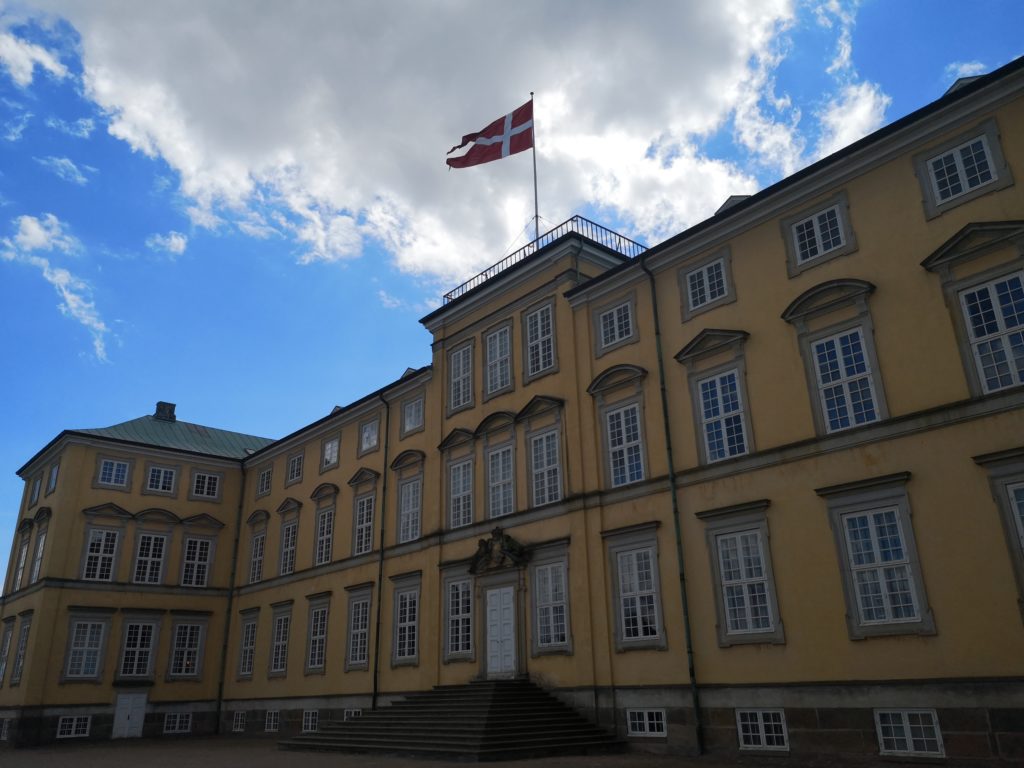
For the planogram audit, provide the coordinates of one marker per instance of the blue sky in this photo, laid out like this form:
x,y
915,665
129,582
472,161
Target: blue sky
x,y
243,208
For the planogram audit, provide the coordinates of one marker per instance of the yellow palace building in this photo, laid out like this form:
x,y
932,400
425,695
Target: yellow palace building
x,y
757,488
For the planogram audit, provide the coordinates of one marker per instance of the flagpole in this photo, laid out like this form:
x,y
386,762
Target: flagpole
x,y
536,210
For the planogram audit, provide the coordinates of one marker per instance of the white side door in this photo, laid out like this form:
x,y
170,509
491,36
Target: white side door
x,y
129,715
501,632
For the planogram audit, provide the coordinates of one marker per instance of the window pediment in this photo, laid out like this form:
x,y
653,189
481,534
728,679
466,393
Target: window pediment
x,y
407,459
494,422
538,405
616,376
25,525
289,505
456,438
711,341
827,297
203,521
108,510
42,515
323,491
257,517
157,515
363,475
975,239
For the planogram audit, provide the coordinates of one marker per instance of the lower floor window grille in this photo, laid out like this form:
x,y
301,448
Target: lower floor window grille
x,y
908,732
73,727
178,722
761,729
646,722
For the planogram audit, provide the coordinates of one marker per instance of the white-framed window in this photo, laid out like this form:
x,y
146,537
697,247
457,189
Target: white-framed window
x,y
5,647
407,613
460,377
101,549
51,482
330,453
880,563
294,468
137,654
1016,496
460,617
19,652
362,541
160,480
5,729
908,732
272,721
358,631
351,714
259,543
238,720
206,485
625,455
263,484
545,468
369,435
706,284
34,494
247,649
460,493
994,315
818,234
616,324
19,568
316,653
37,558
722,416
551,604
84,648
73,727
279,643
762,729
196,566
645,722
961,169
185,648
324,535
638,603
289,537
540,341
412,415
498,346
410,504
310,720
113,472
149,558
178,722
744,582
846,389
500,482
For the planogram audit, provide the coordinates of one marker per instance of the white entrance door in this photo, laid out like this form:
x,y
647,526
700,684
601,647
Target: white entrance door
x,y
501,632
129,714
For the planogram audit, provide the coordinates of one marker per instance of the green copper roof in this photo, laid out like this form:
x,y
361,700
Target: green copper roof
x,y
182,436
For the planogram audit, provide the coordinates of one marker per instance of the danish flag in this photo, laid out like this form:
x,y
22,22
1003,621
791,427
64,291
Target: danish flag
x,y
505,136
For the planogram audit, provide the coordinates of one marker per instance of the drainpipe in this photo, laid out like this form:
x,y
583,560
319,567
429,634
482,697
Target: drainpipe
x,y
380,560
231,600
690,668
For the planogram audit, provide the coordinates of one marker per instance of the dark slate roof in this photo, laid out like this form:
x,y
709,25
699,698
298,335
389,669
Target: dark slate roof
x,y
181,436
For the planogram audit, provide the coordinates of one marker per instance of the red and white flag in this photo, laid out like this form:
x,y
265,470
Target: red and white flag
x,y
505,136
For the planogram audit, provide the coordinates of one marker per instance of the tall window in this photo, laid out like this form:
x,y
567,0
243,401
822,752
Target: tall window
x,y
881,566
34,495
412,415
546,468
316,654
362,541
19,652
185,650
551,605
101,548
460,493
137,654
19,569
624,452
410,502
637,595
706,284
460,617
722,416
540,341
149,560
358,631
263,484
460,377
994,313
295,468
5,647
499,359
324,535
407,603
744,582
616,324
113,472
161,480
247,650
84,652
37,558
259,542
289,536
818,234
205,485
279,643
845,387
369,436
961,169
330,453
196,568
500,479
51,483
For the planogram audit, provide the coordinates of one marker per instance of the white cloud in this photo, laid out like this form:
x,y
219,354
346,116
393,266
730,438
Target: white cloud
x,y
388,301
203,217
173,243
63,168
13,128
854,113
47,234
81,128
20,58
958,69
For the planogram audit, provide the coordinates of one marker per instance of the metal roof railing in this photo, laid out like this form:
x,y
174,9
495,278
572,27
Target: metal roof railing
x,y
577,224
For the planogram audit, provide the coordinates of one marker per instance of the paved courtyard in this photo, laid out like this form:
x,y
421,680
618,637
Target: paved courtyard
x,y
232,752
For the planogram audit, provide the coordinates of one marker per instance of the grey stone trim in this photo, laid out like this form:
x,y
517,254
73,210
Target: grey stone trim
x,y
265,470
402,584
358,593
552,553
838,200
450,408
155,620
175,480
404,430
315,602
723,254
188,618
506,324
100,458
642,536
192,496
1006,474
367,426
332,437
694,378
84,614
457,574
629,300
548,302
299,454
280,610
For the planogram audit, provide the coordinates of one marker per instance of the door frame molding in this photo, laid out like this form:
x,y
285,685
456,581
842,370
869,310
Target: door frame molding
x,y
511,577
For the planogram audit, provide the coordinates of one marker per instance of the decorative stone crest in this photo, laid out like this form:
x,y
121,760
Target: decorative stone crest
x,y
498,552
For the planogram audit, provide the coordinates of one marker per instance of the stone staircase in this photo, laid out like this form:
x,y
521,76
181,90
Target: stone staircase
x,y
485,720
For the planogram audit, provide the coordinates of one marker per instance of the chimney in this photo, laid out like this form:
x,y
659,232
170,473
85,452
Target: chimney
x,y
164,411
